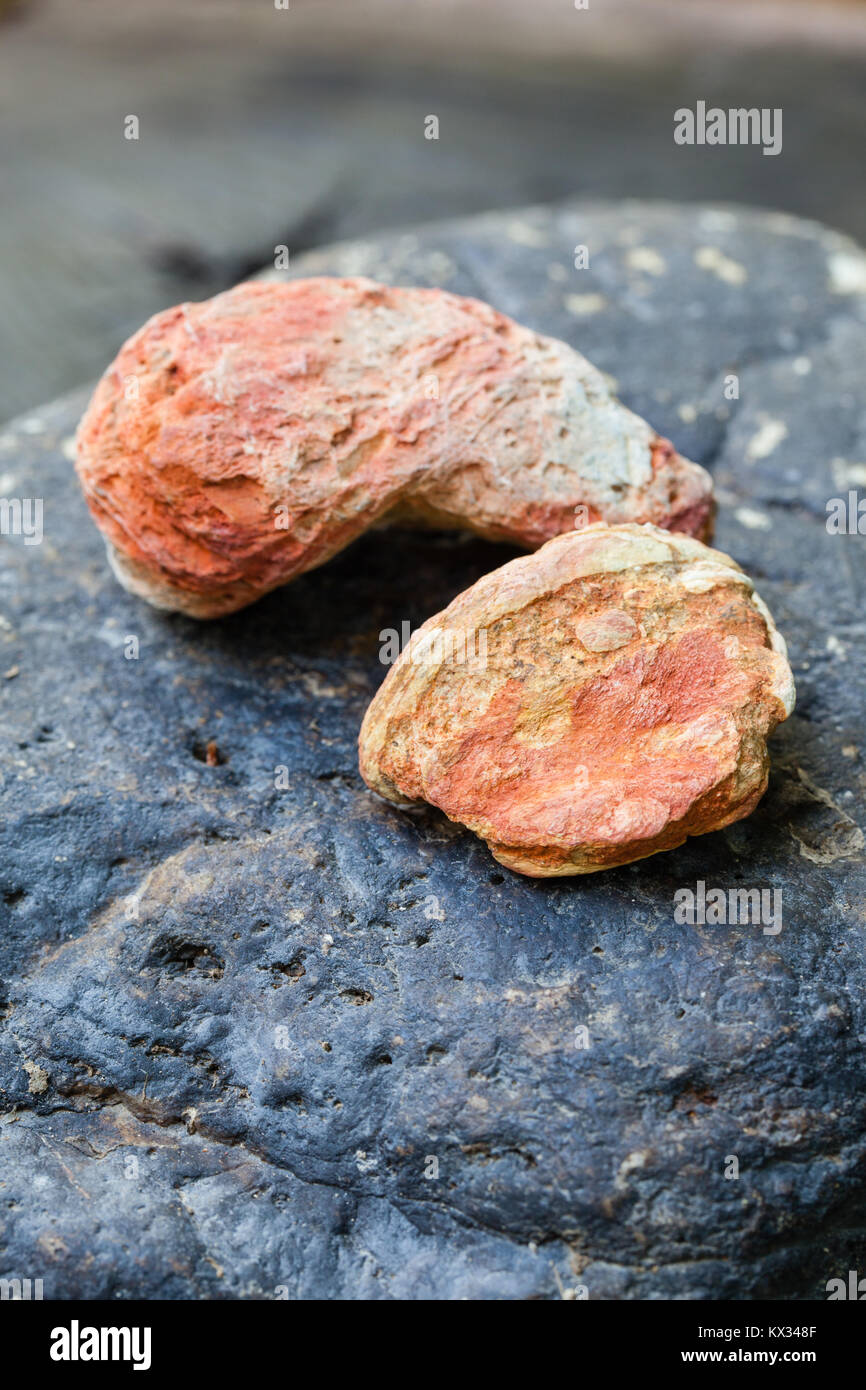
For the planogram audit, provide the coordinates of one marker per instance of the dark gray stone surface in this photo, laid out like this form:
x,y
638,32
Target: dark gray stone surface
x,y
161,1136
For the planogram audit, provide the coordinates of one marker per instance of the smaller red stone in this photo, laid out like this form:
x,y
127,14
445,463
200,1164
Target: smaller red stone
x,y
628,682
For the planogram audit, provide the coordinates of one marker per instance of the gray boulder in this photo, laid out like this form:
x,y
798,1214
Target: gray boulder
x,y
262,1035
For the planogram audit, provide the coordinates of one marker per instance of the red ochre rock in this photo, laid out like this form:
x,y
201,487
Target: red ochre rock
x,y
587,705
236,443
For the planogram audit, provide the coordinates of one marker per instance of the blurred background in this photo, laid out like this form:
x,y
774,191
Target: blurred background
x,y
261,125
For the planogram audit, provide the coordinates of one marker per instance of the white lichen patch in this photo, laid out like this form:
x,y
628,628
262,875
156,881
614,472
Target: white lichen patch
x,y
583,305
38,1081
644,258
753,520
846,474
767,438
717,263
847,272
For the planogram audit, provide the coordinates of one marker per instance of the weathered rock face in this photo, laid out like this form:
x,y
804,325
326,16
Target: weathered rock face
x,y
449,992
589,705
235,444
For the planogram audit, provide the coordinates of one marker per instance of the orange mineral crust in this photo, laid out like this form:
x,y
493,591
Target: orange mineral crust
x,y
234,444
587,705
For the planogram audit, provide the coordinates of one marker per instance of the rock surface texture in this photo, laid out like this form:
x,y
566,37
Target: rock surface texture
x,y
234,444
588,705
246,1004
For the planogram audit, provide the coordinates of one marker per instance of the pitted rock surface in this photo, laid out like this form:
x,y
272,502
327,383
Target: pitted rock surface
x,y
284,998
589,705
